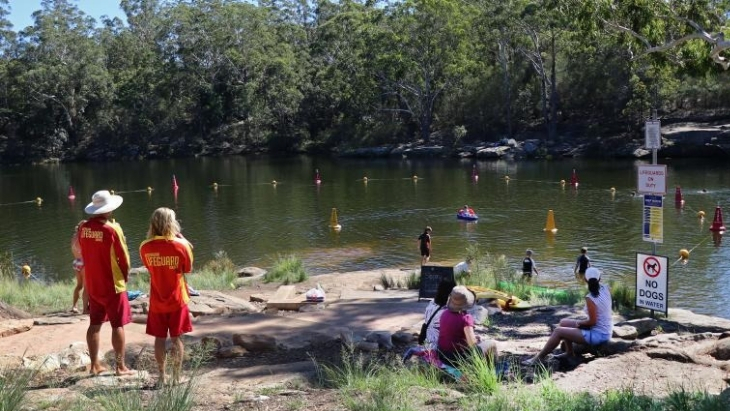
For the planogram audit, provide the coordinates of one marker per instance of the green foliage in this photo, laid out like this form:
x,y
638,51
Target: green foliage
x,y
224,76
13,387
7,267
623,295
287,270
36,297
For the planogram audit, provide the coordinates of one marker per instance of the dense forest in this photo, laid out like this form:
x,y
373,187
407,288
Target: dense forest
x,y
189,77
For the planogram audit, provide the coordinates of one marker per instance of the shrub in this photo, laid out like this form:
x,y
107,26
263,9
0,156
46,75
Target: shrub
x,y
287,270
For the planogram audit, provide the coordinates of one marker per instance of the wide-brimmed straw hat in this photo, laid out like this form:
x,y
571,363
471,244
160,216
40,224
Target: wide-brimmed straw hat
x,y
103,202
460,299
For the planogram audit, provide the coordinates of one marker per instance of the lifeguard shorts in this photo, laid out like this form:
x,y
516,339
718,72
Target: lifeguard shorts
x,y
175,323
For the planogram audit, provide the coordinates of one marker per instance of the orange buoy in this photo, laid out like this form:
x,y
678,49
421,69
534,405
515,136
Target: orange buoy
x,y
550,223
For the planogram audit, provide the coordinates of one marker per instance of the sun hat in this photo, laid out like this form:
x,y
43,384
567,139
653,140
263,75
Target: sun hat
x,y
460,299
593,272
529,252
103,202
584,249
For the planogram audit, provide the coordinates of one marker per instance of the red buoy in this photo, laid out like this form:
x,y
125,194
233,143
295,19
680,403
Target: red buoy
x,y
317,178
678,198
474,173
71,194
174,183
574,179
717,225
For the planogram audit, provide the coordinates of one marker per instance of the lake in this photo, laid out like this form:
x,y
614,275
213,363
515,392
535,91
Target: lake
x,y
254,221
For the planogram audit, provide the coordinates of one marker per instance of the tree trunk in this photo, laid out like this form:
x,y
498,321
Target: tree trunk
x,y
553,128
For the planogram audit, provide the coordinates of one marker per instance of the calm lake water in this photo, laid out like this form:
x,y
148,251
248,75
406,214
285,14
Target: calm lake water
x,y
254,221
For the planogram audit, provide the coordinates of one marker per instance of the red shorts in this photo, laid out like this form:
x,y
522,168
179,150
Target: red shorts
x,y
176,322
114,309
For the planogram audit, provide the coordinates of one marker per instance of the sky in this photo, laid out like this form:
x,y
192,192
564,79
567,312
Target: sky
x,y
21,10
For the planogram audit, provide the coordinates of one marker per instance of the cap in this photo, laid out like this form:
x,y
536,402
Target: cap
x,y
593,272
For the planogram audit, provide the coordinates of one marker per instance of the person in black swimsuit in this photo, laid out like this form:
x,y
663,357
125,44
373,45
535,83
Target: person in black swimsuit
x,y
528,266
581,265
424,244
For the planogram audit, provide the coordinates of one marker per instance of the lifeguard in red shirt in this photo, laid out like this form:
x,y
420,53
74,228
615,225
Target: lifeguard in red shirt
x,y
106,263
168,256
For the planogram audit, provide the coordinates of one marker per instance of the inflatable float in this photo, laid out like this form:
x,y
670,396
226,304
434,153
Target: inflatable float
x,y
505,301
464,215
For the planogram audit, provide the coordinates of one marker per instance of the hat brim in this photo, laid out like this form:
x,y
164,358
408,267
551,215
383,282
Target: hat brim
x,y
114,202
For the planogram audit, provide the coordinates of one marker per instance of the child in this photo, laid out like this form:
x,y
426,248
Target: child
x,y
581,265
424,243
463,268
78,266
528,265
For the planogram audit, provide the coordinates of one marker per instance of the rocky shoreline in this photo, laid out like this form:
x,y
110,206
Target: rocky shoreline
x,y
256,345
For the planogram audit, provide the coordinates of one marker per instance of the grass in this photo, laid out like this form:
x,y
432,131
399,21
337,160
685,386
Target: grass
x,y
36,297
13,387
364,385
286,270
624,296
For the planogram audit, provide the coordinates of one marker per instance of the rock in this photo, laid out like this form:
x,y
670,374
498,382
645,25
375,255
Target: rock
x,y
139,318
479,313
197,309
384,339
232,351
11,313
211,343
625,332
251,272
721,350
378,287
493,152
253,398
641,153
347,337
138,270
670,354
367,346
403,337
43,363
56,320
75,357
257,298
308,308
255,343
643,326
12,327
140,305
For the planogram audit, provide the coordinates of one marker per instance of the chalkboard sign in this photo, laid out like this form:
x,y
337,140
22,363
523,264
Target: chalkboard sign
x,y
431,276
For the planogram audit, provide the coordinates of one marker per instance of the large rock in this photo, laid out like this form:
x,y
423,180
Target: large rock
x,y
625,332
643,326
12,313
493,152
670,354
384,339
216,303
57,320
12,327
721,350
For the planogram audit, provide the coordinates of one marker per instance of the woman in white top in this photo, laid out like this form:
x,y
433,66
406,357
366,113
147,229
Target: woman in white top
x,y
594,330
434,309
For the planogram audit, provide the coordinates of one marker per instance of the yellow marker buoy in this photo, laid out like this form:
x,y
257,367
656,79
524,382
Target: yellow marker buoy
x,y
613,190
365,180
506,178
273,182
149,189
38,200
415,177
333,221
111,192
215,186
562,182
25,269
684,254
701,214
550,223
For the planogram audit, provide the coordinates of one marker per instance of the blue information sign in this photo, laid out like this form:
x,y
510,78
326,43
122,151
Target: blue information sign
x,y
653,218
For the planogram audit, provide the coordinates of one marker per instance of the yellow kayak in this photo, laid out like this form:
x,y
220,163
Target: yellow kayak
x,y
506,301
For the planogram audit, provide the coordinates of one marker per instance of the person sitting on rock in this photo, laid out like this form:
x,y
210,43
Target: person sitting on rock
x,y
434,310
456,338
595,330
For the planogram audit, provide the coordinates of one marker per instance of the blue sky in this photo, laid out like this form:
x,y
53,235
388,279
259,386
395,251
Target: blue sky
x,y
21,10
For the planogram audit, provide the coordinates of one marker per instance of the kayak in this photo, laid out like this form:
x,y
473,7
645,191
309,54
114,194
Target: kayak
x,y
467,216
535,289
506,301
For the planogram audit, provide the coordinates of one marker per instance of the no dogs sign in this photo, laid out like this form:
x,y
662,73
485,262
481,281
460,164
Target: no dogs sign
x,y
651,282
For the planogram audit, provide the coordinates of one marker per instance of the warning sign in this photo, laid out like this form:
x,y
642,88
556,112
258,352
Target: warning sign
x,y
651,282
653,226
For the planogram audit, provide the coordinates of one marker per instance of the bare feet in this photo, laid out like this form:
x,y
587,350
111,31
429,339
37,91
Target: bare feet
x,y
123,370
96,369
74,310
